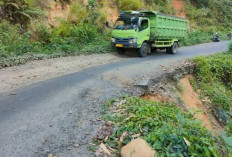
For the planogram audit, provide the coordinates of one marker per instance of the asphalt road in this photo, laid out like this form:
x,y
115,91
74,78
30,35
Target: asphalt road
x,y
57,116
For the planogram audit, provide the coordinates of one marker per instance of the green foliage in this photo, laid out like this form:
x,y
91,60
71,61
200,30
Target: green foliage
x,y
215,79
68,39
11,41
164,126
180,88
211,13
163,6
201,36
83,31
228,128
19,11
77,12
193,83
85,35
227,138
126,5
230,48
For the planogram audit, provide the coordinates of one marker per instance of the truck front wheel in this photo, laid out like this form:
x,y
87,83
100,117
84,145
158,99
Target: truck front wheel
x,y
120,50
143,51
173,49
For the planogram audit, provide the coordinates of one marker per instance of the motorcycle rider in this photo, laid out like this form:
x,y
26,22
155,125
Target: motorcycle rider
x,y
216,38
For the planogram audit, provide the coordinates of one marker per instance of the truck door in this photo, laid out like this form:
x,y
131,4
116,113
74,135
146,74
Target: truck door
x,y
144,31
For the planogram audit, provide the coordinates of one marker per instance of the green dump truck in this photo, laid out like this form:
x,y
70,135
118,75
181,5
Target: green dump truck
x,y
147,30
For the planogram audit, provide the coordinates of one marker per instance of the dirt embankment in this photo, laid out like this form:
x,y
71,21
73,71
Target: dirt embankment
x,y
57,11
179,8
175,87
196,106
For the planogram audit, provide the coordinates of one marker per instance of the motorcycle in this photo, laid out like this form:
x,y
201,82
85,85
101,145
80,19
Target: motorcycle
x,y
216,39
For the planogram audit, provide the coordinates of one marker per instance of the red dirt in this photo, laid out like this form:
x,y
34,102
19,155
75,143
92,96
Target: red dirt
x,y
156,98
193,102
179,8
58,12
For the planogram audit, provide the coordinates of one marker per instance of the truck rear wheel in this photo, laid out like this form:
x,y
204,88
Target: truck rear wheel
x,y
120,50
144,49
173,49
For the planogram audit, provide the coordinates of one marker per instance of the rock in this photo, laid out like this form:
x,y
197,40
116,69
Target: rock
x,y
76,145
138,148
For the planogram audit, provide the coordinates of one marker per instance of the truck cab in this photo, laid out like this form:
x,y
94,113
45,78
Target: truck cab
x,y
146,30
130,31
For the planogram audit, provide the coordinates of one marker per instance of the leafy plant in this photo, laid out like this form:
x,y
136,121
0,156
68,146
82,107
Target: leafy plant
x,y
170,131
230,48
215,79
19,11
126,5
201,36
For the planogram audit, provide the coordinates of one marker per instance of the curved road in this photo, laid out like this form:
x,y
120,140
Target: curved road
x,y
58,116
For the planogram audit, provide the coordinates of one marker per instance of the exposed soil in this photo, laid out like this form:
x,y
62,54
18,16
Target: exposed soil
x,y
15,77
186,99
179,8
56,12
156,98
193,103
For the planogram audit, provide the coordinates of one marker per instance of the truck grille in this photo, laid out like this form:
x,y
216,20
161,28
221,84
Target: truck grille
x,y
122,40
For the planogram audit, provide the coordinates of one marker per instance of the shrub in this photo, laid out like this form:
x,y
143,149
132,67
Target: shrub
x,y
130,4
201,36
19,11
210,13
230,48
11,41
215,79
164,126
77,12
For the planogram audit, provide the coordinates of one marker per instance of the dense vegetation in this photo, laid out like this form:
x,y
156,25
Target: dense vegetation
x,y
26,33
169,130
214,79
215,14
81,33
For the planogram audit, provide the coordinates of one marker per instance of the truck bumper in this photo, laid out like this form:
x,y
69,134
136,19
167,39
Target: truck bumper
x,y
124,43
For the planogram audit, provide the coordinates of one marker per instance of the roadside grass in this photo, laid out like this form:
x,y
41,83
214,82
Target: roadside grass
x,y
17,48
67,40
213,76
168,130
199,37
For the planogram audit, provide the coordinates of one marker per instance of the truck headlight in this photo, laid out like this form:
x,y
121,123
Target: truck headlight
x,y
113,40
133,41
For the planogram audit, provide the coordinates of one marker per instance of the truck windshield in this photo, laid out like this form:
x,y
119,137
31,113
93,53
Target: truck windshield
x,y
126,23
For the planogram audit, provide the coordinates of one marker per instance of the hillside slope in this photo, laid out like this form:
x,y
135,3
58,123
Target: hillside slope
x,y
31,28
